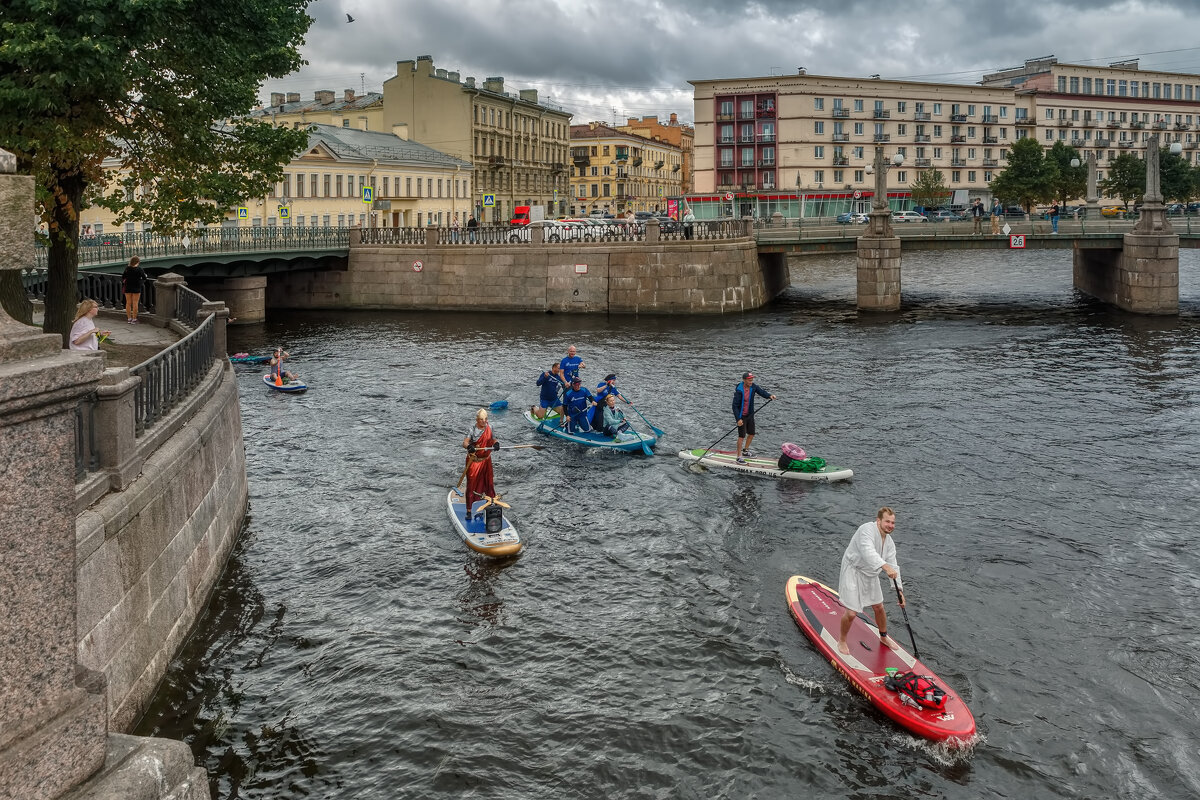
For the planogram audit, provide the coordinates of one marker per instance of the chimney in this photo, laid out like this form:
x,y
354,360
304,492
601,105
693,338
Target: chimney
x,y
400,130
674,119
470,83
454,76
425,65
276,98
529,96
293,97
402,66
348,95
323,96
631,121
441,73
495,84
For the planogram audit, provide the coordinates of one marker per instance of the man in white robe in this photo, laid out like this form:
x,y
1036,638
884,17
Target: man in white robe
x,y
870,551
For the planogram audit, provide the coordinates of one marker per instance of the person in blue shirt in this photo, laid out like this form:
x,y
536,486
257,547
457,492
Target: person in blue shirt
x,y
743,412
552,387
576,401
571,364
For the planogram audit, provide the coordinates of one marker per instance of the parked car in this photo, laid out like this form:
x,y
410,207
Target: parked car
x,y
554,231
945,216
908,216
853,218
1176,210
1012,212
1112,211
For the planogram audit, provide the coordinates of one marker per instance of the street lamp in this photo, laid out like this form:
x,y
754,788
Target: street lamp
x,y
881,214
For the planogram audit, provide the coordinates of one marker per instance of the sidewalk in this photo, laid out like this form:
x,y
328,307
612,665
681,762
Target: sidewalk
x,y
128,345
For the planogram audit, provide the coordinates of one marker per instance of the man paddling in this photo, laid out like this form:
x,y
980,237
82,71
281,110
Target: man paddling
x,y
552,387
571,364
870,550
576,401
743,412
479,444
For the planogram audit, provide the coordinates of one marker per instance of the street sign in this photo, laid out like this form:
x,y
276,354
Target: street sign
x,y
284,212
243,213
418,266
581,269
1016,241
368,194
489,201
556,194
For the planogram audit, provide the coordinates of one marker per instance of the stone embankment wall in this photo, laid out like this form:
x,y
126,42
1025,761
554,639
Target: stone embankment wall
x,y
709,277
149,556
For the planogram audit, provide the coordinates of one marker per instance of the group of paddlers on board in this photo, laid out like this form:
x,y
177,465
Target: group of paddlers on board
x,y
578,409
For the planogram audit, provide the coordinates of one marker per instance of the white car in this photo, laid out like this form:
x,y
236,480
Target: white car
x,y
908,216
553,230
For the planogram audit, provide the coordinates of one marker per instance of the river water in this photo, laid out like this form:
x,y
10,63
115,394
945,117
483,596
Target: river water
x,y
1039,451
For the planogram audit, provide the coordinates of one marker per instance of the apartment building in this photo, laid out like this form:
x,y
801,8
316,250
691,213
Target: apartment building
x,y
614,171
412,185
672,132
517,144
799,144
364,111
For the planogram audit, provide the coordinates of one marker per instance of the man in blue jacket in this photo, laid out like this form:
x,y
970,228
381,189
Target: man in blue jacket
x,y
743,412
576,401
552,386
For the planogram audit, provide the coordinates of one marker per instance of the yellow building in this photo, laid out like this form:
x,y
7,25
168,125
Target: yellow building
x,y
615,172
799,144
412,185
517,143
672,132
363,112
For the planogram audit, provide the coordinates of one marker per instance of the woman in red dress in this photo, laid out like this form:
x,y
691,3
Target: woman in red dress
x,y
479,444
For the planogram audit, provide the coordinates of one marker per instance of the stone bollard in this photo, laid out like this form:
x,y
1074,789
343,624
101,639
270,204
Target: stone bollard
x,y
431,236
537,234
776,220
219,331
652,230
165,287
115,427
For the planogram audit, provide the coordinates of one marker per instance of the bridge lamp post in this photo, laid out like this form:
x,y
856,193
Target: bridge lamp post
x,y
881,214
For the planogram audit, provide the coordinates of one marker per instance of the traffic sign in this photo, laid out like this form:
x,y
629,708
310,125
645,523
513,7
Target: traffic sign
x,y
418,266
489,201
368,194
243,212
284,212
1017,241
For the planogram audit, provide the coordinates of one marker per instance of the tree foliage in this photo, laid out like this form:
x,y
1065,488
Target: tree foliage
x,y
1125,178
929,189
1177,178
1071,182
148,82
1029,178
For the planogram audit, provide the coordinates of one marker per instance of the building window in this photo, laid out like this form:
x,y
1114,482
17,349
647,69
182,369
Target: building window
x,y
859,175
857,151
987,176
818,127
858,105
1062,83
937,108
605,151
299,186
901,129
419,182
970,176
901,106
818,103
385,185
408,187
312,184
1075,85
338,184
858,129
901,176
819,176
1087,85
955,176
839,175
819,151
595,190
607,187
1110,87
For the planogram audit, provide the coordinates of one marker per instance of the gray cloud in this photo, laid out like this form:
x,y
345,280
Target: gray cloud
x,y
605,60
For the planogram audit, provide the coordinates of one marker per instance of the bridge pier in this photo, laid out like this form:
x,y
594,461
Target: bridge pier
x,y
878,273
246,298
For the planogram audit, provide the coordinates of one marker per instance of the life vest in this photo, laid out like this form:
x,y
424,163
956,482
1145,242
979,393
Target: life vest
x,y
917,688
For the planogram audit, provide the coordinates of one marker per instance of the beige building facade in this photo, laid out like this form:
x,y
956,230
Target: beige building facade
x,y
363,112
518,145
614,172
672,132
800,144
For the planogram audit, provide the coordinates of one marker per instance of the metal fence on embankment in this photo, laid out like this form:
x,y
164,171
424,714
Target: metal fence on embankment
x,y
767,231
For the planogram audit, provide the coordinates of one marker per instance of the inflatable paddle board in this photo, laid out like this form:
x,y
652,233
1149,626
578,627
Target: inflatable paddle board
x,y
505,542
627,441
727,459
818,612
291,387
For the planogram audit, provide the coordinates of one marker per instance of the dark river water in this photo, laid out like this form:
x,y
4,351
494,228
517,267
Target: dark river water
x,y
1039,451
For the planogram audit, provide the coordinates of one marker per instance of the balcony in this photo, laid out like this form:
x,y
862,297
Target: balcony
x,y
745,114
881,114
921,116
991,119
766,137
921,138
496,161
1088,122
990,140
623,155
922,162
958,139
841,113
637,161
725,187
841,137
841,161
766,112
1063,122
624,174
1112,123
747,166
747,139
1103,143
958,117
1161,125
676,168
883,137
581,161
766,162
1182,126
1190,145
1126,143
725,140
724,117
659,164
958,162
557,167
991,162
1137,124
767,185
1025,122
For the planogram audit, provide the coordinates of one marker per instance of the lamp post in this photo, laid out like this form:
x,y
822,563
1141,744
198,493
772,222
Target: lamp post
x,y
881,215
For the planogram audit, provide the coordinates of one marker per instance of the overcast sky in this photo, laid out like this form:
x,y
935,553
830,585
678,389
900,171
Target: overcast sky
x,y
608,60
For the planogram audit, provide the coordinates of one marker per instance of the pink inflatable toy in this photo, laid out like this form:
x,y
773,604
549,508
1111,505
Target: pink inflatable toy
x,y
793,451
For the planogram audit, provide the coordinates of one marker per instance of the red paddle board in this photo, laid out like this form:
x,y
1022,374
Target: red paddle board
x,y
818,611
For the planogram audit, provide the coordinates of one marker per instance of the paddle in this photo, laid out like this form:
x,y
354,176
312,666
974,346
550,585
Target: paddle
x,y
905,610
657,432
731,430
645,447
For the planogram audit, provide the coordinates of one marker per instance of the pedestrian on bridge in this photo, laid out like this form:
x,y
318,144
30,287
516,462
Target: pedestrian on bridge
x,y
977,215
1054,218
133,280
997,213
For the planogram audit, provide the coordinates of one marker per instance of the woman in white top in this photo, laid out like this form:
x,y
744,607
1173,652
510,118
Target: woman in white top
x,y
84,332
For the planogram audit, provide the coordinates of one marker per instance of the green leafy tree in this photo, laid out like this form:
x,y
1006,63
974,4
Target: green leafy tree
x,y
1029,178
1126,178
929,189
1176,177
1071,183
148,82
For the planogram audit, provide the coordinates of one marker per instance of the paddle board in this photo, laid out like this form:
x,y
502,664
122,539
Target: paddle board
x,y
249,359
505,542
627,441
818,612
727,459
291,387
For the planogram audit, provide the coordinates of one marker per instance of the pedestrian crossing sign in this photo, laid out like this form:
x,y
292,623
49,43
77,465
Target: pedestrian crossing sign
x,y
243,212
489,201
284,212
368,194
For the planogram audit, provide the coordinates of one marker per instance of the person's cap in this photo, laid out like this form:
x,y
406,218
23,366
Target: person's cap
x,y
577,379
612,376
747,375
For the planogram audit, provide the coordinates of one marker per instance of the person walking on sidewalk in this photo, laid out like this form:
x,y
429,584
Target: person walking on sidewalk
x,y
977,216
997,213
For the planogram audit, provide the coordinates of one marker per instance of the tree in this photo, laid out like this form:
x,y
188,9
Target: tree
x,y
1071,183
1029,178
1176,177
929,189
1126,178
147,82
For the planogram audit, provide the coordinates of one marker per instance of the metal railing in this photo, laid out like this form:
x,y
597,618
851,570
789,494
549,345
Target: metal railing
x,y
187,306
170,376
107,290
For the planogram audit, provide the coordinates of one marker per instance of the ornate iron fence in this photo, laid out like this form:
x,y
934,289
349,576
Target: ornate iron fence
x,y
376,236
170,376
187,305
105,289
